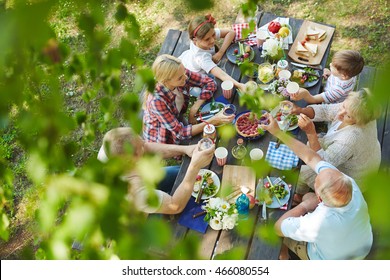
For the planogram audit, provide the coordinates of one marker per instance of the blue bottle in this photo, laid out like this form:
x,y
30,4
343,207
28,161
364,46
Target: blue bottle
x,y
242,204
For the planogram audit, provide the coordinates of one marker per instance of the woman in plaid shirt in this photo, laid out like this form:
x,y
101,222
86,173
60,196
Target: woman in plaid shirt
x,y
166,105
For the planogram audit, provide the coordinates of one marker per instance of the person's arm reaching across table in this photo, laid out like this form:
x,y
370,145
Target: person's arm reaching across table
x,y
310,157
175,204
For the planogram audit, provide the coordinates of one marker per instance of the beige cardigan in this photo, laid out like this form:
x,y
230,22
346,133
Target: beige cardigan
x,y
354,150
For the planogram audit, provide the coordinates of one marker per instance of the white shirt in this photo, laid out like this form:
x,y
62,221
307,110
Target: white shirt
x,y
333,233
198,60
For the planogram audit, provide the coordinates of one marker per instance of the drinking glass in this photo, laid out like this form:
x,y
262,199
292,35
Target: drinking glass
x,y
229,110
286,108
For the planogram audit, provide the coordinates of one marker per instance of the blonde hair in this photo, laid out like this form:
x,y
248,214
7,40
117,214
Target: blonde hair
x,y
203,30
348,62
117,141
165,67
361,106
336,191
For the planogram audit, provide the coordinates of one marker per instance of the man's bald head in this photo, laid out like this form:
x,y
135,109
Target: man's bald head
x,y
333,187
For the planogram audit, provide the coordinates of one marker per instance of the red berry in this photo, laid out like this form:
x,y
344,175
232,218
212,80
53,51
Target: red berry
x,y
267,185
278,119
246,55
235,51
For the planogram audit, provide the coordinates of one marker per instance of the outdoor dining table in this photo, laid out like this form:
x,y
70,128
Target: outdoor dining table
x,y
214,243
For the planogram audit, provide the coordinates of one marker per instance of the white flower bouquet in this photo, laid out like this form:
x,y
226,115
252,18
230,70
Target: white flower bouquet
x,y
273,49
278,87
220,214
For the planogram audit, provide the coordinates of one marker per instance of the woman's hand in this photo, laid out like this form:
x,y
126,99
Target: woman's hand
x,y
306,124
300,94
220,118
272,126
241,87
296,110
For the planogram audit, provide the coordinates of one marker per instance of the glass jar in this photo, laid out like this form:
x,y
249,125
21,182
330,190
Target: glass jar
x,y
281,65
239,151
209,131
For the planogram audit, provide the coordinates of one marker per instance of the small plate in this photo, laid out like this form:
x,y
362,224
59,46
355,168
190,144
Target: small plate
x,y
283,201
273,35
216,180
307,84
280,123
233,58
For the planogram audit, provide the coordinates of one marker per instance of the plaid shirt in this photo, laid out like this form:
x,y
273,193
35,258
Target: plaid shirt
x,y
161,122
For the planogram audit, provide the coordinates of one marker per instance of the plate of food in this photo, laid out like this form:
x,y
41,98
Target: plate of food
x,y
212,184
274,195
239,52
209,110
247,125
277,114
306,77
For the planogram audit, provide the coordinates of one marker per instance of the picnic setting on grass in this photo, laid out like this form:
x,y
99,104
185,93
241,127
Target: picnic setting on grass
x,y
270,84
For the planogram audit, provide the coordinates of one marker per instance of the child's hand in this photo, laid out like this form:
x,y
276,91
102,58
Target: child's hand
x,y
326,73
299,95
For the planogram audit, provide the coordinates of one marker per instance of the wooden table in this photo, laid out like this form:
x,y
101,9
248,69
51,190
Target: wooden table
x,y
214,243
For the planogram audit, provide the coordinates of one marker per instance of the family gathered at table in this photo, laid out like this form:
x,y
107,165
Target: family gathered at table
x,y
329,216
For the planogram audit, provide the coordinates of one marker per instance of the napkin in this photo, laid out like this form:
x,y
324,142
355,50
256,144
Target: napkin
x,y
187,220
238,27
286,41
281,158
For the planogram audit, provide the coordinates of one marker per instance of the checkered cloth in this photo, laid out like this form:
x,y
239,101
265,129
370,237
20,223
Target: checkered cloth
x,y
252,36
282,158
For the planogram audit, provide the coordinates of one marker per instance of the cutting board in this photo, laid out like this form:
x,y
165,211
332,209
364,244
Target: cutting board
x,y
322,46
237,176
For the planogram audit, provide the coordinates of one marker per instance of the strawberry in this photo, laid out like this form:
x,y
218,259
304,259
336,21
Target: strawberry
x,y
278,119
267,185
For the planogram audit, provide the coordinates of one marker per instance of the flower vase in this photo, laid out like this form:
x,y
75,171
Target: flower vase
x,y
274,59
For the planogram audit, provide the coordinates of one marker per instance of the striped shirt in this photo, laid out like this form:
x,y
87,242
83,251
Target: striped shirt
x,y
161,124
336,90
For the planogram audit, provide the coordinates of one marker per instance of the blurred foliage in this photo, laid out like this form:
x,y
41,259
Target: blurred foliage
x,y
43,68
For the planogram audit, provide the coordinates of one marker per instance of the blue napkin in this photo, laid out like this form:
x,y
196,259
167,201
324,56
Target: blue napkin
x,y
187,220
281,158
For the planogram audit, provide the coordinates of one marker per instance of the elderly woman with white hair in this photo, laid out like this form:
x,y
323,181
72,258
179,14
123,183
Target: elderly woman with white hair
x,y
351,142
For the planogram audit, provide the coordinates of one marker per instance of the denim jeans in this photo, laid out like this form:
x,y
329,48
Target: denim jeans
x,y
166,184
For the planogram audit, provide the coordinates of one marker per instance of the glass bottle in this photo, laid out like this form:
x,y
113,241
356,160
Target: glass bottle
x,y
242,205
239,151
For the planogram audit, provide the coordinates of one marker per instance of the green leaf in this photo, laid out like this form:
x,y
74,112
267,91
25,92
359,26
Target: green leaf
x,y
121,12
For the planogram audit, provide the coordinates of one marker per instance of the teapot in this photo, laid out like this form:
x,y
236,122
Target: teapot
x,y
266,72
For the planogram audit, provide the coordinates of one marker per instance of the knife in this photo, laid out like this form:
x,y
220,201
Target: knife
x,y
264,211
317,67
200,193
207,112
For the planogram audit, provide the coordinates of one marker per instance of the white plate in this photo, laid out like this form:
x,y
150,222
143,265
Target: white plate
x,y
207,106
216,180
280,123
283,201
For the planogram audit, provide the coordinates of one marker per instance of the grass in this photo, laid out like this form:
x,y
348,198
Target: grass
x,y
360,25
